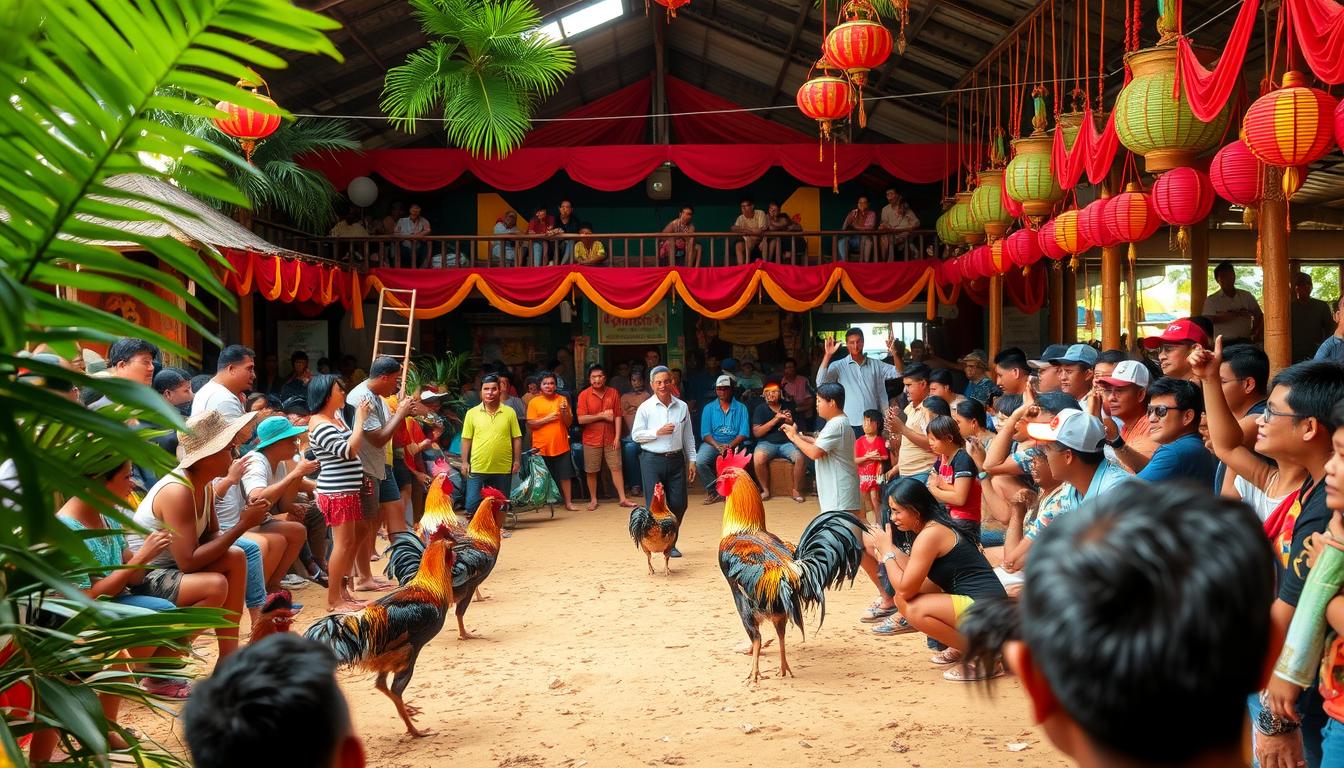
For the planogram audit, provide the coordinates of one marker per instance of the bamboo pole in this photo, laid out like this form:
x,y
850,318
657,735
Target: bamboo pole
x,y
1274,263
1056,276
995,315
1069,307
1111,277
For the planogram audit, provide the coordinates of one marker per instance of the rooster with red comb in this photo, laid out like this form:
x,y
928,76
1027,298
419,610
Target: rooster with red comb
x,y
655,529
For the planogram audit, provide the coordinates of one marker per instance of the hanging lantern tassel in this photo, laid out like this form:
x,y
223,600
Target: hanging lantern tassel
x,y
835,172
1183,240
1292,179
1133,255
863,116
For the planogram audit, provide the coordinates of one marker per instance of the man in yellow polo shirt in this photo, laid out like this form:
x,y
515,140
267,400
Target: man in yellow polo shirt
x,y
492,444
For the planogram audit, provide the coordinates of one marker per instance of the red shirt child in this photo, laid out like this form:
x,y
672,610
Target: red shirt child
x,y
870,472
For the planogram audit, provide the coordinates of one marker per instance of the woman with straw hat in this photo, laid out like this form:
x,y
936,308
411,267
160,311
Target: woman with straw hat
x,y
201,565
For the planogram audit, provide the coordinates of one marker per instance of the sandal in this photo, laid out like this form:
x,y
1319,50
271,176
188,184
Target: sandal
x,y
945,657
894,624
970,673
875,613
798,497
168,688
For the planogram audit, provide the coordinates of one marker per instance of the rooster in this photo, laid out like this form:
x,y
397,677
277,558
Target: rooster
x,y
476,554
386,636
770,579
276,617
654,529
439,512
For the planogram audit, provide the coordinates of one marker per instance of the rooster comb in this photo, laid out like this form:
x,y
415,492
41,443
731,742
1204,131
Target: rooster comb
x,y
734,459
493,493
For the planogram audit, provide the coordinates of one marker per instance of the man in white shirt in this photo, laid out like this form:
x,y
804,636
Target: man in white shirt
x,y
236,370
864,379
1234,312
662,428
750,221
414,226
896,218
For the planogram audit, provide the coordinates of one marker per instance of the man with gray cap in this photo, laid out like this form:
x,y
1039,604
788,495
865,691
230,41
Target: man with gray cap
x,y
1071,444
1047,373
662,428
1074,368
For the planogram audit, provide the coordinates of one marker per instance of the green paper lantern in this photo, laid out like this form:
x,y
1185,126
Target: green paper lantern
x,y
1030,178
962,221
987,203
1153,124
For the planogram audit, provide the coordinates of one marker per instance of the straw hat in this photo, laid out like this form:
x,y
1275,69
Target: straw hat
x,y
210,433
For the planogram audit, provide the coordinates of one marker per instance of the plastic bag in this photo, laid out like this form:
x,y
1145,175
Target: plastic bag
x,y
533,486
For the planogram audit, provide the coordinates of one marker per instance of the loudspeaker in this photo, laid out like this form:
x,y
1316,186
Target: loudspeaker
x,y
659,184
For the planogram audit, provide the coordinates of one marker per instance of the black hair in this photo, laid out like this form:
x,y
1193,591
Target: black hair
x,y
1112,356
280,692
1223,266
1010,353
198,381
1248,362
384,365
319,390
1054,402
854,331
1114,603
122,350
297,356
1007,403
490,378
788,360
746,200
944,428
548,375
596,367
913,495
271,401
168,378
970,408
916,371
1090,458
876,417
1187,394
296,406
1313,388
833,392
234,354
1336,419
941,376
937,406
326,362
585,225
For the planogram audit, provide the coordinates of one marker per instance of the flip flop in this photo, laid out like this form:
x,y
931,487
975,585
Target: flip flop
x,y
798,498
171,688
968,673
628,504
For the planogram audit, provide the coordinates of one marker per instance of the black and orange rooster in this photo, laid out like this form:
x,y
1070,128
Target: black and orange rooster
x,y
477,551
654,529
770,579
387,635
439,510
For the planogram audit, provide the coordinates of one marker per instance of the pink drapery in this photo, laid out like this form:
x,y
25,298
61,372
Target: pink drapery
x,y
613,168
1208,92
1092,152
1319,28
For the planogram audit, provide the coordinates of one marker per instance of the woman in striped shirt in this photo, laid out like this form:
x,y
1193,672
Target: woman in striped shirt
x,y
339,481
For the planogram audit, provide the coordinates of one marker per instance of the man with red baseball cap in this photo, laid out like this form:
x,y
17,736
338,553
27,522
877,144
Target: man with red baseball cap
x,y
1174,347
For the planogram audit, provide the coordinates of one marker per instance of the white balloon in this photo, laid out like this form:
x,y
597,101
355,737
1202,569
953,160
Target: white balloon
x,y
362,191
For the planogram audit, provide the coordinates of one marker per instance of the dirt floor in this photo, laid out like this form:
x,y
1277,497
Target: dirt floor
x,y
585,659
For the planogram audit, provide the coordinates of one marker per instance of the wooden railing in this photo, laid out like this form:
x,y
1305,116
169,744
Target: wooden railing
x,y
623,249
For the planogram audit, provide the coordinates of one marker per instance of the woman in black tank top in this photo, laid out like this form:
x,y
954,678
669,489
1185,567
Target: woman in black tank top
x,y
921,546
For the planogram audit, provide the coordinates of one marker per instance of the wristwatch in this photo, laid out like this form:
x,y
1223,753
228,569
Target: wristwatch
x,y
887,558
982,475
1117,443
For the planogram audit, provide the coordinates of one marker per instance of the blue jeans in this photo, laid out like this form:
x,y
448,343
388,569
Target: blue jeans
x,y
256,576
852,241
773,451
1315,727
1332,745
501,482
148,602
630,462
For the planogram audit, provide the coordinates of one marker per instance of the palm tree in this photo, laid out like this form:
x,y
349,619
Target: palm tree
x,y
486,65
82,80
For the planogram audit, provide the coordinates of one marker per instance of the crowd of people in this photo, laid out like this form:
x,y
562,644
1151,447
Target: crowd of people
x,y
979,484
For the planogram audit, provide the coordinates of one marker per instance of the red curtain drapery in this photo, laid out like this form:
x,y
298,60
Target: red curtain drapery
x,y
718,124
1208,92
617,118
1319,27
613,168
1092,152
1025,292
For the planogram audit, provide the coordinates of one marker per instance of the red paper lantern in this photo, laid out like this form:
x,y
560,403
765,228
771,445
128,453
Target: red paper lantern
x,y
998,258
975,263
826,99
1183,196
857,45
948,272
247,125
670,5
1048,240
1235,174
1092,224
1022,248
1130,216
1290,127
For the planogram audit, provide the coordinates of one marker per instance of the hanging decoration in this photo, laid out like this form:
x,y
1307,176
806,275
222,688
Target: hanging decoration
x,y
826,99
1023,249
1290,127
245,124
1208,92
1152,124
962,220
1029,177
1236,175
1068,235
670,5
858,44
1048,238
987,204
998,258
1183,197
1130,217
944,225
1092,224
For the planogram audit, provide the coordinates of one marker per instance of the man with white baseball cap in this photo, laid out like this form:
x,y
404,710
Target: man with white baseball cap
x,y
1071,443
1124,397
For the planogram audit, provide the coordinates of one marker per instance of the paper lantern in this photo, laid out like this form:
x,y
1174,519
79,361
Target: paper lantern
x,y
1092,224
1153,124
987,203
1029,177
857,45
1130,216
998,258
1068,235
826,99
943,226
975,263
948,272
670,5
245,124
1048,240
962,221
1290,127
1022,249
1183,196
1235,174
362,191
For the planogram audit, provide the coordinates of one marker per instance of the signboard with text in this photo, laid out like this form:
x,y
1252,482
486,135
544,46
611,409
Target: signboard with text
x,y
649,328
308,336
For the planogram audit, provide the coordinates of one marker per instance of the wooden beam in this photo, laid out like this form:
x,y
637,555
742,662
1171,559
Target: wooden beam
x,y
1110,296
1056,315
1199,267
1008,38
357,38
804,12
915,28
995,310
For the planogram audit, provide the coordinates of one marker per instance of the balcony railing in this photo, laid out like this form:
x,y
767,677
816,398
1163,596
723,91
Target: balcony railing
x,y
622,249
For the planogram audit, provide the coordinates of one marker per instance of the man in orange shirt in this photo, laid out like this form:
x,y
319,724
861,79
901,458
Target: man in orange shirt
x,y
600,416
548,418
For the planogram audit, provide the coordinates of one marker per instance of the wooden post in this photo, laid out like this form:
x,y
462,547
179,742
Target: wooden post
x,y
246,322
1055,274
1278,289
1131,304
995,310
1199,267
1069,307
1111,270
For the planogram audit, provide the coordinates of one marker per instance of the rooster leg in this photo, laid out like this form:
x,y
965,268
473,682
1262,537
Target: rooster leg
x,y
781,626
648,555
667,563
404,710
755,675
460,611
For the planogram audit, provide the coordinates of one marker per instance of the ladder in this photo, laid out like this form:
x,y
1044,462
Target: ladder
x,y
390,318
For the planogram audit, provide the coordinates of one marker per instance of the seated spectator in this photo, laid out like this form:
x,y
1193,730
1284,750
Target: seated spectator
x,y
542,223
780,248
767,423
941,385
1047,373
1174,410
931,549
674,251
588,250
1174,346
898,219
1332,349
281,693
299,376
567,223
1074,368
351,226
201,561
1114,601
415,227
750,222
953,481
723,427
978,384
1012,374
748,378
505,252
861,219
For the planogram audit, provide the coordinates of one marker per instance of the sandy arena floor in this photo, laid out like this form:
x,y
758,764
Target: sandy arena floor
x,y
585,659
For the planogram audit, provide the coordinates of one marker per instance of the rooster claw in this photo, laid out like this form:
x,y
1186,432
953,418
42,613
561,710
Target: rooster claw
x,y
419,733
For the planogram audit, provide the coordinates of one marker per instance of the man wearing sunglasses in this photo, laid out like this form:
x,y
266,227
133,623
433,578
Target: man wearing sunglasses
x,y
1174,409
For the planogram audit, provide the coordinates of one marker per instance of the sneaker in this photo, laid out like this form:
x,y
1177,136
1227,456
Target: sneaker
x,y
875,613
711,498
293,581
674,553
894,624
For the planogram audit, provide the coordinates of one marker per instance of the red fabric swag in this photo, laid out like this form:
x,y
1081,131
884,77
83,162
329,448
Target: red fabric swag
x,y
571,131
1091,152
1208,92
1319,25
724,127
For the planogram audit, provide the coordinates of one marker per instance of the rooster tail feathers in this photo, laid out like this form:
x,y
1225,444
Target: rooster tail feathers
x,y
403,557
340,633
829,554
641,520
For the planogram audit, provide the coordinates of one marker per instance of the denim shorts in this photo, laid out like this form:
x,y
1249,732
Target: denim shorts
x,y
779,451
388,490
